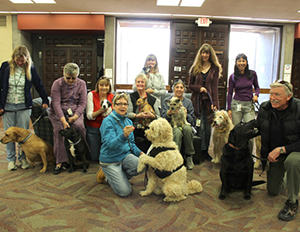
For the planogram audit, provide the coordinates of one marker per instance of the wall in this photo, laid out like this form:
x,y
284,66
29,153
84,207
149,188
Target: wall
x,y
6,43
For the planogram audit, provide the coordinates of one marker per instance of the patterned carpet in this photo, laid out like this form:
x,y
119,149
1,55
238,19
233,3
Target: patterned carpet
x,y
32,201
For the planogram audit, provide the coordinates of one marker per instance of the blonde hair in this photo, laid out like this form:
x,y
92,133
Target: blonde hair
x,y
143,76
21,51
198,63
105,81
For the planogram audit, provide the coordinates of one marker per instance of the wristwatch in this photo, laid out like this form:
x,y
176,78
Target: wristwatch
x,y
281,151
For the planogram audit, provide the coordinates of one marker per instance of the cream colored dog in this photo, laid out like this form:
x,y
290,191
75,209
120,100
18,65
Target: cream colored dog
x,y
34,147
165,170
221,127
179,118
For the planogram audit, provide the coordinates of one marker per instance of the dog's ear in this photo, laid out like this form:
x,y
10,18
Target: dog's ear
x,y
17,133
167,101
177,101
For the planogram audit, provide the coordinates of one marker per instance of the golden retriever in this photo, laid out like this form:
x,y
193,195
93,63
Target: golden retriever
x,y
165,170
34,147
221,127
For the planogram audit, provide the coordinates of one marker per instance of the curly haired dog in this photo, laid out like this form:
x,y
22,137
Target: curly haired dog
x,y
166,173
221,127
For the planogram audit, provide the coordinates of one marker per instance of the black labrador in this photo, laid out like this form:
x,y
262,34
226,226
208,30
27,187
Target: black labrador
x,y
236,162
77,149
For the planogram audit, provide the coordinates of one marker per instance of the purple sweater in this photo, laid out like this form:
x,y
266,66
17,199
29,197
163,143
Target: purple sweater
x,y
243,88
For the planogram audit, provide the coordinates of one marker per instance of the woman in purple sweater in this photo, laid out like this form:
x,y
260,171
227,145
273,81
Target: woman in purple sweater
x,y
243,80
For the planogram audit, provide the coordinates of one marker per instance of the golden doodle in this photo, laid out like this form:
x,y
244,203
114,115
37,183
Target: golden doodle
x,y
164,165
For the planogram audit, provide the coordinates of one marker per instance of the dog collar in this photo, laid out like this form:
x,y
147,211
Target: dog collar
x,y
22,142
236,148
74,143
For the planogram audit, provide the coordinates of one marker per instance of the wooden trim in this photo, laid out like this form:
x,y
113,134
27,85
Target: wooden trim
x,y
129,87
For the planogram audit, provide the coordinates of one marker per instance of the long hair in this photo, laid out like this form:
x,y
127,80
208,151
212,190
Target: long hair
x,y
21,51
152,57
248,72
104,81
198,63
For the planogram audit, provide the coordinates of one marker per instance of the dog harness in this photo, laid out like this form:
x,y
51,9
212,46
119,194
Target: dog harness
x,y
162,174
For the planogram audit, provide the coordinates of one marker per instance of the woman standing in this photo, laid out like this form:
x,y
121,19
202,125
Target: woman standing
x,y
16,79
95,114
203,82
119,154
156,82
68,95
137,116
242,81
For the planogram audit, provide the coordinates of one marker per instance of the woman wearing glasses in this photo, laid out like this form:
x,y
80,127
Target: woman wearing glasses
x,y
16,79
135,113
119,154
68,95
95,114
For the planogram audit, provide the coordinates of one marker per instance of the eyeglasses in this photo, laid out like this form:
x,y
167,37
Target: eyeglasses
x,y
73,78
286,84
121,104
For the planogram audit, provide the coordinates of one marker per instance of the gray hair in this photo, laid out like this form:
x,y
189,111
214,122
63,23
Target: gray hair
x,y
288,87
143,76
119,96
71,69
179,81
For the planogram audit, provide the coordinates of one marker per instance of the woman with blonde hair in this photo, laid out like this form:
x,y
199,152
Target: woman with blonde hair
x,y
203,82
16,79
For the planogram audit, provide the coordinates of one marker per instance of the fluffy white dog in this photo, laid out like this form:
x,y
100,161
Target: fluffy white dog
x,y
164,165
221,127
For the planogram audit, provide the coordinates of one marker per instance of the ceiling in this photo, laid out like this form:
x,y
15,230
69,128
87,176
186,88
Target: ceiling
x,y
256,10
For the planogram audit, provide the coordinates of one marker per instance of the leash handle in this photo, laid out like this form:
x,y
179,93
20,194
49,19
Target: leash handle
x,y
256,104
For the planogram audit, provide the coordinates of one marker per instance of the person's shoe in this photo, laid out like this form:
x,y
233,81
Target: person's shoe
x,y
57,170
11,166
24,164
100,176
289,211
189,162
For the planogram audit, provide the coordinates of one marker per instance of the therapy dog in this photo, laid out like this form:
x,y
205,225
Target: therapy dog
x,y
221,127
35,148
236,162
106,105
76,147
164,165
178,119
144,106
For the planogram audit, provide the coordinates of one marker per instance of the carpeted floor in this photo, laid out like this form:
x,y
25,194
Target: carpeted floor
x,y
33,201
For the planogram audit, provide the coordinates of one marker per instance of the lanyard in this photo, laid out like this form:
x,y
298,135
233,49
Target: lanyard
x,y
72,98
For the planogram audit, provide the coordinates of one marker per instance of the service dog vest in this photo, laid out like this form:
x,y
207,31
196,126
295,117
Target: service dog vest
x,y
162,174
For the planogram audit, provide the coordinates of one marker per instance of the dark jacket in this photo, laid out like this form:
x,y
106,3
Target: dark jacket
x,y
290,126
211,84
35,80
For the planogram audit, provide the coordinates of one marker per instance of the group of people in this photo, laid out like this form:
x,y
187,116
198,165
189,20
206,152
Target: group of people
x,y
117,140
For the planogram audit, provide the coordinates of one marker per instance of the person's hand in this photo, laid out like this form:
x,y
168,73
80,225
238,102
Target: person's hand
x,y
170,112
150,91
73,119
213,108
127,130
255,99
149,115
203,90
273,155
65,124
229,114
45,106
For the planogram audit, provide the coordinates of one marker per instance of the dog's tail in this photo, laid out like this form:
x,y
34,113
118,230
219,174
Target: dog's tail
x,y
258,182
194,186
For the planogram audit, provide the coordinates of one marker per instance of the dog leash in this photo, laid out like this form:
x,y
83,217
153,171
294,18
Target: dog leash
x,y
256,104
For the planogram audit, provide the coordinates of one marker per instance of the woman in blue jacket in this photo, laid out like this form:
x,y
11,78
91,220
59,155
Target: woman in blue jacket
x,y
119,154
16,79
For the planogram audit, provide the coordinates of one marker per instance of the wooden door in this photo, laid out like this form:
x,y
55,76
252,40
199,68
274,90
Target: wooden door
x,y
217,35
60,49
295,79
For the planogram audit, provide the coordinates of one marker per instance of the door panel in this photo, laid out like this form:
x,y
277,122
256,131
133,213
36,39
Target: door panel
x,y
295,79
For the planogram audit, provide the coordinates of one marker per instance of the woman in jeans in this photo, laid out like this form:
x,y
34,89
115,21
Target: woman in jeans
x,y
119,154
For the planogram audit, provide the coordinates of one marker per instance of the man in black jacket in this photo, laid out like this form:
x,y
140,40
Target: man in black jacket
x,y
279,125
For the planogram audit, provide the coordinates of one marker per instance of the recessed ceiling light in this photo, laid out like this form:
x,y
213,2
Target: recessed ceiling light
x,y
44,1
22,1
192,3
167,2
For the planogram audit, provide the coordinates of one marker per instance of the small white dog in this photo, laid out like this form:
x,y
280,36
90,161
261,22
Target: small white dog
x,y
105,104
179,118
221,127
165,170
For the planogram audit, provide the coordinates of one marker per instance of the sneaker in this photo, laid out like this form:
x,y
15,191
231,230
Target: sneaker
x,y
57,170
11,166
100,176
289,211
24,164
189,162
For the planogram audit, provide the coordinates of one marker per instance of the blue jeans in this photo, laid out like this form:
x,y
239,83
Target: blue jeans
x,y
93,137
19,118
118,175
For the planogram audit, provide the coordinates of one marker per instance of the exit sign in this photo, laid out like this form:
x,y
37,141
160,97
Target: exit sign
x,y
203,22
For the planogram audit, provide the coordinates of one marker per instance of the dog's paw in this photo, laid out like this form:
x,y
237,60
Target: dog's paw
x,y
247,197
84,171
222,197
43,170
144,193
140,166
